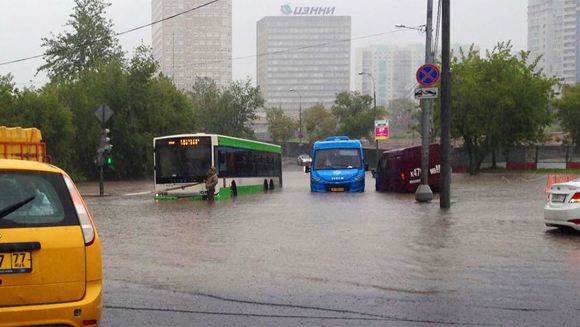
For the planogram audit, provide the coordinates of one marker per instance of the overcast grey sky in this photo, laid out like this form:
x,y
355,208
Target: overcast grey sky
x,y
483,22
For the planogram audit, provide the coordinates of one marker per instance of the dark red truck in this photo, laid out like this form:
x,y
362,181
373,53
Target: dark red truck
x,y
400,170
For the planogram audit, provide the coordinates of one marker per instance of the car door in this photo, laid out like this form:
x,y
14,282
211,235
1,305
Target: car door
x,y
42,252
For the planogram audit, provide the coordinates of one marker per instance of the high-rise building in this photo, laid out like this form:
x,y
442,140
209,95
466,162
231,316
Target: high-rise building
x,y
393,69
553,31
309,53
195,44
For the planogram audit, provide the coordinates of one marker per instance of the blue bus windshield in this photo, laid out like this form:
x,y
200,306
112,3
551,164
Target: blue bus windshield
x,y
337,159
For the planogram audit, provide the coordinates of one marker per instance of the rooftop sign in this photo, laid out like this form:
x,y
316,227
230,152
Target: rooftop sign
x,y
287,10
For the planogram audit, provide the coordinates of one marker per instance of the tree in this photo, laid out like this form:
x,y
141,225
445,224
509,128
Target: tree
x,y
498,102
319,123
91,41
569,111
355,114
144,106
44,110
7,99
228,110
280,126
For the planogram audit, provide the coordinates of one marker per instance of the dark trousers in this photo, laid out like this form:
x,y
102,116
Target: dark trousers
x,y
210,193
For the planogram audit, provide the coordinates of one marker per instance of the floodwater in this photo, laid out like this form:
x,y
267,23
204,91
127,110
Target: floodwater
x,y
289,257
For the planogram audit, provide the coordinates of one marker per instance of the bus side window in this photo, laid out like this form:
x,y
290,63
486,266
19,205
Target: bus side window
x,y
222,164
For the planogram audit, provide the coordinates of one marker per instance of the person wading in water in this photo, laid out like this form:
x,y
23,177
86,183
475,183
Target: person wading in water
x,y
211,182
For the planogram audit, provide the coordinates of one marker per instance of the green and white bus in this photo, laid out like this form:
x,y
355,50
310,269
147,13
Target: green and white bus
x,y
181,163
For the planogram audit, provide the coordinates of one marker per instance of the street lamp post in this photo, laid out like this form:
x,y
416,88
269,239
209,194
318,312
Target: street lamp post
x,y
424,192
299,115
375,108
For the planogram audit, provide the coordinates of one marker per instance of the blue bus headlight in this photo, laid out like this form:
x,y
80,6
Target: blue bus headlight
x,y
359,178
315,179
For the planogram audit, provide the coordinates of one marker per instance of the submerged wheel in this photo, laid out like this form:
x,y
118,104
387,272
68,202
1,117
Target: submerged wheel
x,y
271,184
234,189
265,186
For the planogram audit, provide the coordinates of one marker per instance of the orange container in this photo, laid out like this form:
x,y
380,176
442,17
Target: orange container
x,y
22,143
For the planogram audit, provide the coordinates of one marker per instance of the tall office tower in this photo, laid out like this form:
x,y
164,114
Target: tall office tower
x,y
393,69
195,44
308,51
553,30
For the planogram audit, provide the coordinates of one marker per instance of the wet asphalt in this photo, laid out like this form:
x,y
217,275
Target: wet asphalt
x,y
292,258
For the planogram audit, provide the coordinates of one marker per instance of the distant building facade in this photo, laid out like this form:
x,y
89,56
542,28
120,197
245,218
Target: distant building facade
x,y
393,69
195,44
553,31
307,50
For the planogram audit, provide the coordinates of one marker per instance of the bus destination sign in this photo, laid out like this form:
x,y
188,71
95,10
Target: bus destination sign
x,y
188,141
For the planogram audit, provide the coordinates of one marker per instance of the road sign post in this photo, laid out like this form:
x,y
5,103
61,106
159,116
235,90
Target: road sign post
x,y
427,76
103,114
381,133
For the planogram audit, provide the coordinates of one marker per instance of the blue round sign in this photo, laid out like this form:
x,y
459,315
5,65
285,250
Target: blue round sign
x,y
428,75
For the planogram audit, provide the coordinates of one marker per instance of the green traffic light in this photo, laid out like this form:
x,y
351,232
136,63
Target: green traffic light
x,y
109,160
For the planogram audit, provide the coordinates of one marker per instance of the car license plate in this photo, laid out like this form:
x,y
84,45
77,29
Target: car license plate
x,y
15,262
558,198
337,189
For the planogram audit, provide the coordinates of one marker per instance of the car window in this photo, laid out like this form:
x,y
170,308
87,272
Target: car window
x,y
35,200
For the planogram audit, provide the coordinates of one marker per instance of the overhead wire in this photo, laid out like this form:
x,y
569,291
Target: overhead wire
x,y
296,49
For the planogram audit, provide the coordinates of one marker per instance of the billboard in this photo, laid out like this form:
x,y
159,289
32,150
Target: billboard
x,y
381,129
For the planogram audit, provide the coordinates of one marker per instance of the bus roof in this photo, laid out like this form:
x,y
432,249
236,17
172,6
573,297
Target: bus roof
x,y
416,149
337,143
233,142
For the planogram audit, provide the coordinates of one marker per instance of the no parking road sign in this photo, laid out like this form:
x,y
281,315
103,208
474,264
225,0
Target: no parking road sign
x,y
428,75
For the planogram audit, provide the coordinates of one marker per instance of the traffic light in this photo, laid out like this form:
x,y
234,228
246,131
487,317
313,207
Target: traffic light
x,y
104,150
106,141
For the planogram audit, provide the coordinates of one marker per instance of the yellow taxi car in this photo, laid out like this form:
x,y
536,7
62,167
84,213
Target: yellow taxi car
x,y
50,254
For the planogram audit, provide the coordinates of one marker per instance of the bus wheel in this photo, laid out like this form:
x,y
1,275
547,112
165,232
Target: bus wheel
x,y
271,184
265,186
234,189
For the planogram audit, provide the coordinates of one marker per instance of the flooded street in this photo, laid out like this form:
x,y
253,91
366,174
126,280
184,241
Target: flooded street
x,y
291,258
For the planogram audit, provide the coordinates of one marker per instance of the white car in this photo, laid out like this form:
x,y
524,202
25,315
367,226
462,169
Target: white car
x,y
303,160
563,207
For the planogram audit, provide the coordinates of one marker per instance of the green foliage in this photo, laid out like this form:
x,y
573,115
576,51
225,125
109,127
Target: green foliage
x,y
498,102
41,109
569,111
355,114
229,110
44,110
280,126
91,42
87,70
319,123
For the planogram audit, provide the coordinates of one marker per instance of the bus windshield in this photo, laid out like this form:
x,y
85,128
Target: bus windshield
x,y
179,161
337,159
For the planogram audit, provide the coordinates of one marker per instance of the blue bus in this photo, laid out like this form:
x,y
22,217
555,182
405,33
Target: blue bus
x,y
337,165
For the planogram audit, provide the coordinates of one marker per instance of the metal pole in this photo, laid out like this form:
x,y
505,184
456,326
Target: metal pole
x,y
300,120
101,181
173,58
299,115
102,159
424,192
445,186
375,108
